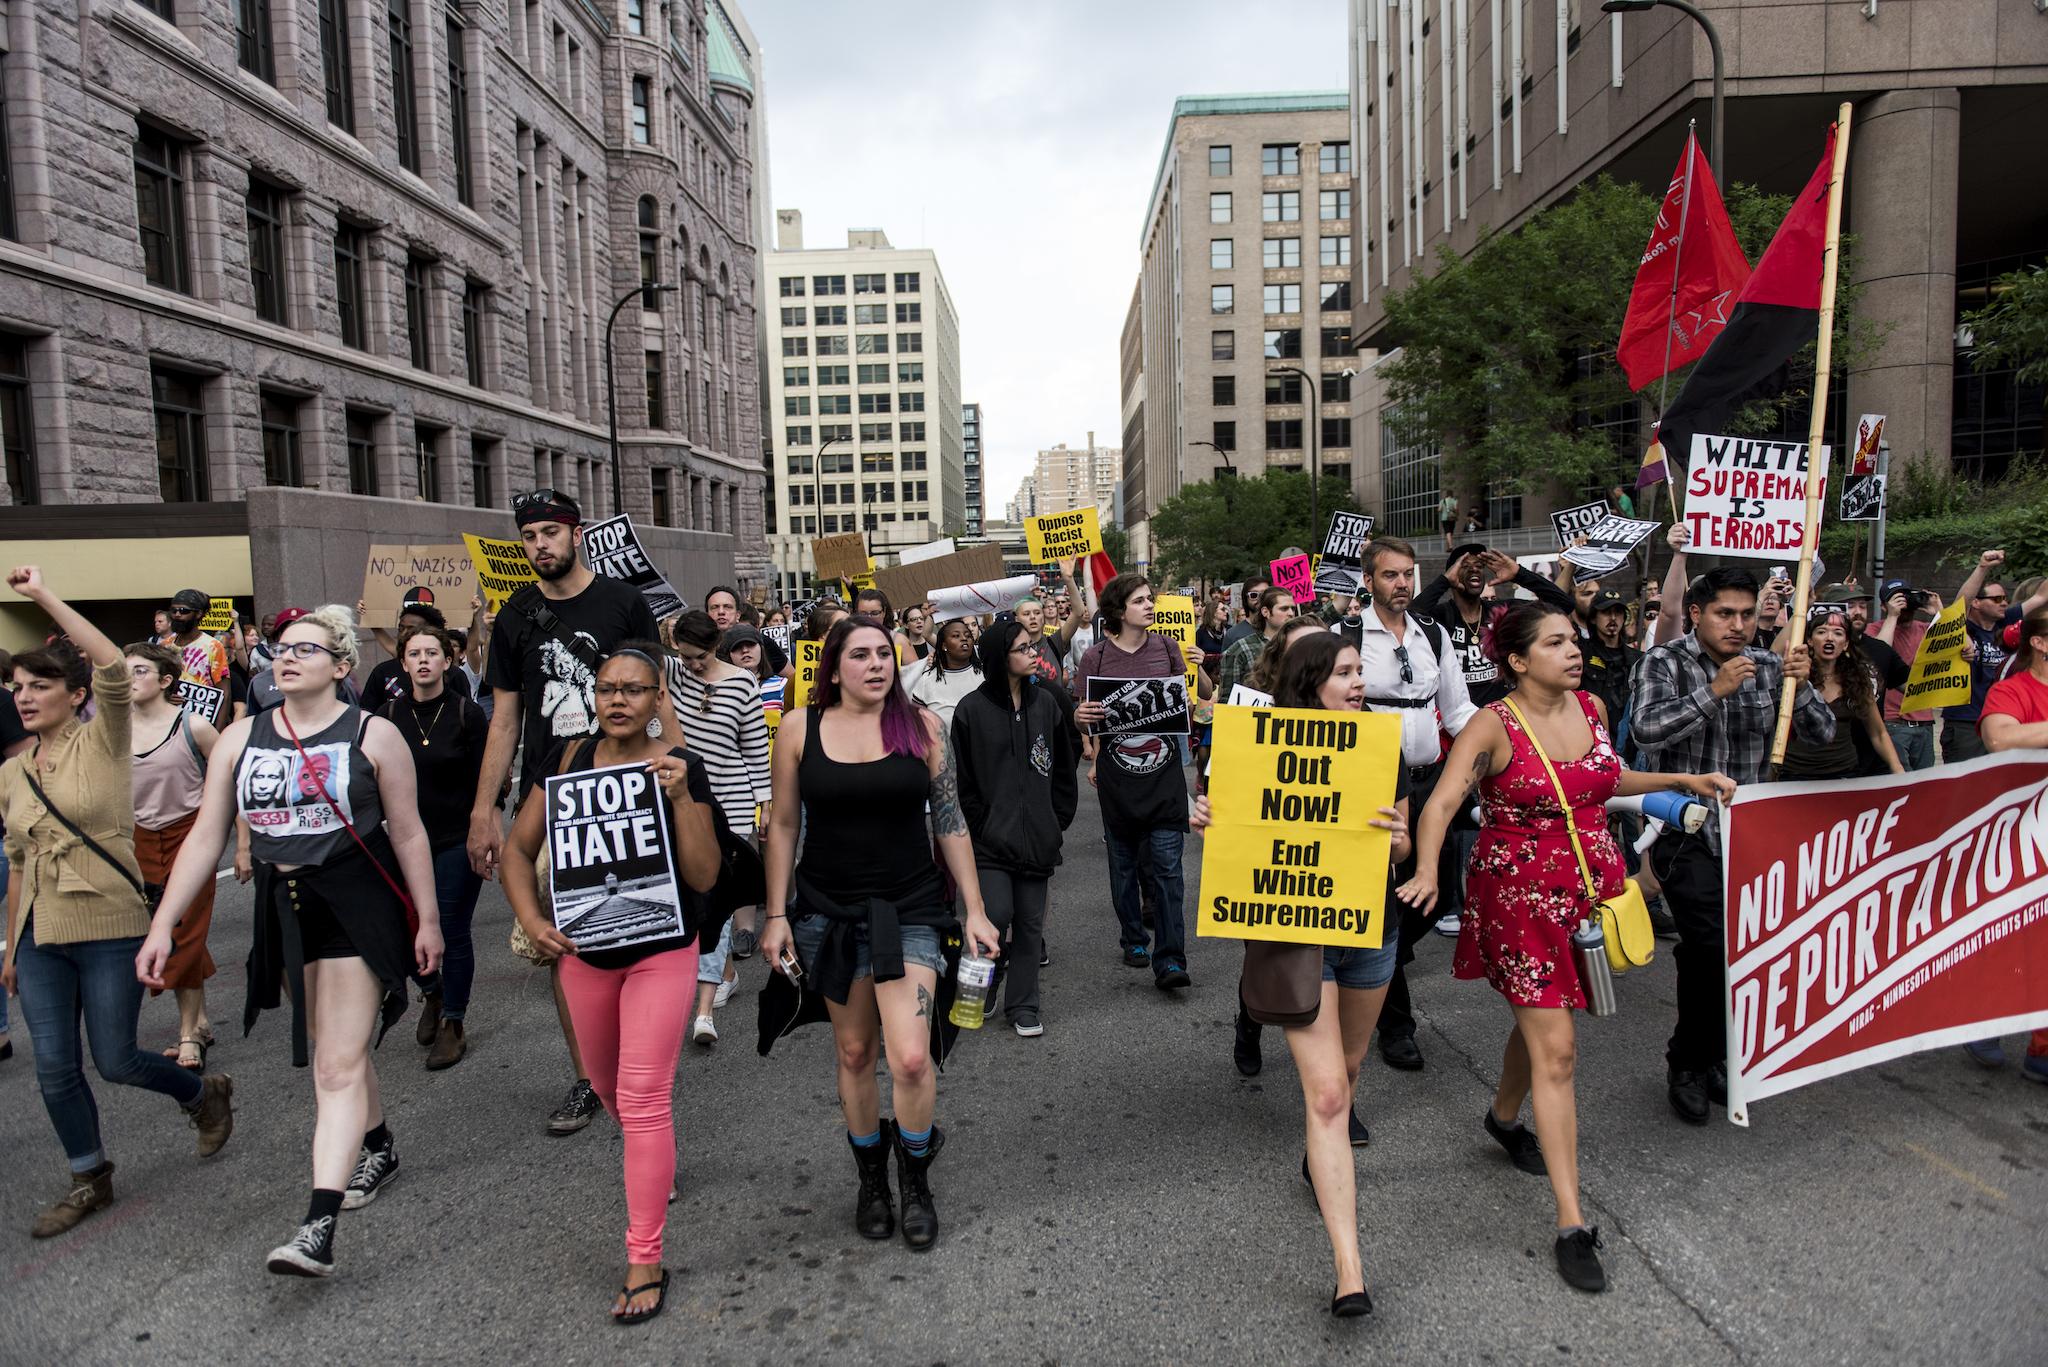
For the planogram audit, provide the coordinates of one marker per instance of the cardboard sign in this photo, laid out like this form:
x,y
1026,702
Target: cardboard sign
x,y
203,701
1296,575
1141,707
1173,614
612,870
1288,854
1746,496
803,661
1054,537
1572,523
1873,918
220,615
501,568
914,583
1608,543
1341,568
446,569
1940,677
839,557
612,548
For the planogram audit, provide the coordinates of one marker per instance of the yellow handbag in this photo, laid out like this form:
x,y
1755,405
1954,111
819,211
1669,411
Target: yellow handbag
x,y
1624,920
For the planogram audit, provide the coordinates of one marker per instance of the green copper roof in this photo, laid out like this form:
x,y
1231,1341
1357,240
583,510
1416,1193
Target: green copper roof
x,y
725,54
1267,102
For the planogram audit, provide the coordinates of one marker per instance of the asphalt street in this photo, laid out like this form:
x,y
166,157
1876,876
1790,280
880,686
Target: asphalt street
x,y
1111,1192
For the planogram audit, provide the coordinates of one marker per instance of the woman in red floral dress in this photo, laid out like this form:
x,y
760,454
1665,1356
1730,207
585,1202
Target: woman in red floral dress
x,y
1524,894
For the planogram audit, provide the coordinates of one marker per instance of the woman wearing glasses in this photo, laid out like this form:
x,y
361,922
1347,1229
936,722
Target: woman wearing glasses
x,y
629,1004
329,796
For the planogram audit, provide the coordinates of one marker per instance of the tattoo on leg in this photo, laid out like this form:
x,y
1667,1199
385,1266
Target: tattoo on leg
x,y
924,1002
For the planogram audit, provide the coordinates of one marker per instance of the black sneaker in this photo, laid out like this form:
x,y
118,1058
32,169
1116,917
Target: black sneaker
x,y
309,1253
578,1109
1360,1136
1578,1259
744,943
1662,923
1245,1049
1401,1052
1519,1141
1171,975
374,1167
1044,957
1688,1093
1137,956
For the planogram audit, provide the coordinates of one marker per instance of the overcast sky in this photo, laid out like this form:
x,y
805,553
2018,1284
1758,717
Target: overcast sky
x,y
1019,142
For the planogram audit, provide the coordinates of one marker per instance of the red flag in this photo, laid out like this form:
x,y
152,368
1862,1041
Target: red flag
x,y
1101,569
1694,241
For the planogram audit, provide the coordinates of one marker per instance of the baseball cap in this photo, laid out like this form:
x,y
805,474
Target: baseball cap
x,y
416,595
286,618
1892,588
737,635
1845,593
1608,598
191,598
1469,548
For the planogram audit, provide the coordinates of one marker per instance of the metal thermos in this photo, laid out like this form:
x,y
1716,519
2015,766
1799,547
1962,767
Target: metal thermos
x,y
1589,948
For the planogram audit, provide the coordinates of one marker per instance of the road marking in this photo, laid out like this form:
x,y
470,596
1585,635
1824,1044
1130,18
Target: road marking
x,y
1935,1160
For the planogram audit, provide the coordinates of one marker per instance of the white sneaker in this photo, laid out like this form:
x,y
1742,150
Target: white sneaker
x,y
1449,926
705,1031
724,992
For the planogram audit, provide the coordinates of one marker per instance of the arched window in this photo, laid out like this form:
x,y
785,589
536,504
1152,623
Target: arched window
x,y
650,249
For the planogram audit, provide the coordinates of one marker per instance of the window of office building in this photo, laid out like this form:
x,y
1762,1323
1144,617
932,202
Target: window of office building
x,y
1219,253
1280,159
1280,206
1282,343
796,436
481,490
1222,390
914,460
871,344
362,452
1222,299
458,114
796,405
907,282
252,40
1334,341
796,375
281,461
1283,434
17,423
822,285
873,374
1334,158
796,346
661,491
910,341
790,287
1336,433
657,392
835,405
180,435
870,284
1281,253
1336,295
1283,299
1283,389
636,16
642,114
1337,388
268,283
1336,251
877,432
350,261
426,455
910,313
911,431
1219,206
1335,204
160,209
1219,161
1224,434
404,94
1222,346
910,372
913,402
337,71
417,310
874,403
476,301
870,314
1409,469
832,374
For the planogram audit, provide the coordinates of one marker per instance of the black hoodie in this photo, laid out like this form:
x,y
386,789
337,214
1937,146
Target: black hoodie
x,y
1018,784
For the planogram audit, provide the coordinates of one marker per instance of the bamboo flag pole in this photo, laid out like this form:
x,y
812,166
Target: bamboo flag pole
x,y
1815,469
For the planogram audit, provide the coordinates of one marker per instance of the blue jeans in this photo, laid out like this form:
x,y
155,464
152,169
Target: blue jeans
x,y
1915,744
1160,851
94,979
456,888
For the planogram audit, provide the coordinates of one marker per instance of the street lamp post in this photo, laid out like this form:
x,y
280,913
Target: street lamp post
x,y
1713,48
1228,468
645,294
1315,434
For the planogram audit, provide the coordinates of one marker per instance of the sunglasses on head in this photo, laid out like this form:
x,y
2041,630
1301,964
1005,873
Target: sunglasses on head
x,y
536,498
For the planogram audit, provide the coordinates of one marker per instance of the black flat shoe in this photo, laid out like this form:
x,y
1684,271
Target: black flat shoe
x,y
632,1293
1350,1307
1519,1141
1360,1136
1578,1259
1401,1053
1688,1094
1244,1051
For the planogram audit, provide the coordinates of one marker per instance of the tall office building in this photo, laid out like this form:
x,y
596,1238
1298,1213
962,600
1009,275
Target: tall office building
x,y
866,389
1244,295
259,252
1079,477
1024,503
1131,373
970,464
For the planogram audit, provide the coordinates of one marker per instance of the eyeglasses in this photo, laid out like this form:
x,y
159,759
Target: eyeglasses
x,y
1992,597
1407,669
306,650
631,692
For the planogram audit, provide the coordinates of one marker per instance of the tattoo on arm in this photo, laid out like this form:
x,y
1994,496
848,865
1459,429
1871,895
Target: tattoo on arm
x,y
1482,765
924,1002
947,818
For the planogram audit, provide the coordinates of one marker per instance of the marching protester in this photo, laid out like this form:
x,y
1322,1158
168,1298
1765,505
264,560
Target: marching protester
x,y
204,658
1411,668
1848,684
75,907
1265,672
1144,795
391,680
1274,610
630,1003
343,868
1209,636
875,603
1248,620
1543,862
14,739
723,605
949,673
1990,612
862,763
1322,671
746,647
1609,660
169,778
263,690
544,651
1050,647
916,623
1887,670
1707,703
1016,756
447,735
1901,631
825,614
718,705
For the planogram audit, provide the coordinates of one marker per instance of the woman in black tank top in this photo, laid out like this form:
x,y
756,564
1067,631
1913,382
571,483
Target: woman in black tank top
x,y
859,764
330,793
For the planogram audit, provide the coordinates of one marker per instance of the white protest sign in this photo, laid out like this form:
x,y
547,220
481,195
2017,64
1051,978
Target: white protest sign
x,y
1608,543
1746,496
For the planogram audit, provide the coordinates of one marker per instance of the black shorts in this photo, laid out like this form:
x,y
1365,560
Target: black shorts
x,y
1450,525
322,935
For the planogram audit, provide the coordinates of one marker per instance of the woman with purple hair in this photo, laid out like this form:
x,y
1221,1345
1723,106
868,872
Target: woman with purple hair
x,y
861,764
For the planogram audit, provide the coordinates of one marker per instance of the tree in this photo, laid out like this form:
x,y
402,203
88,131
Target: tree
x,y
2012,330
1230,530
1116,544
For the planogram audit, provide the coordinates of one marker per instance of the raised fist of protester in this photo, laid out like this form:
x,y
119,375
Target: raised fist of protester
x,y
1420,891
1799,663
26,580
1737,670
1991,560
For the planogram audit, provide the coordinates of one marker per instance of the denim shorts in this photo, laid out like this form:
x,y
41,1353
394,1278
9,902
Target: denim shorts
x,y
920,945
711,963
1360,968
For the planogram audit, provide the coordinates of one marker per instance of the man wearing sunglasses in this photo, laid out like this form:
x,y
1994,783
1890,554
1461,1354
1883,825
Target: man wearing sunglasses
x,y
205,657
1990,612
542,673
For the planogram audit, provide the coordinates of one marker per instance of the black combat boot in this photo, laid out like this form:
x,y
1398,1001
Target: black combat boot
x,y
874,1212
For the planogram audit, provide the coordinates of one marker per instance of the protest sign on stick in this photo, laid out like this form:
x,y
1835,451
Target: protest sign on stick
x,y
839,557
612,548
1295,575
1057,537
1288,855
1863,482
915,582
1341,569
501,568
202,701
219,615
612,869
1746,496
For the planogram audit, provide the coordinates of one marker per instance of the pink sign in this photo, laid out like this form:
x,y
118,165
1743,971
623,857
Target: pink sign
x,y
1296,575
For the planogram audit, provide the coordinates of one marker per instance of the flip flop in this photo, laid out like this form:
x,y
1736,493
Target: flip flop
x,y
660,1290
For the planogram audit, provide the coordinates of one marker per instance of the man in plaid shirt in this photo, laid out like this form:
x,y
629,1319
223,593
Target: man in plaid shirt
x,y
1708,703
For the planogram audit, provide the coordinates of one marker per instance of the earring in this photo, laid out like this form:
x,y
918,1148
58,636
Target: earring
x,y
654,728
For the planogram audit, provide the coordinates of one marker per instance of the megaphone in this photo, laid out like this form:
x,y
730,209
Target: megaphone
x,y
1673,809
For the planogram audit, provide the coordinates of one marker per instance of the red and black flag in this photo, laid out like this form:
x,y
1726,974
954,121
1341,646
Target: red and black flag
x,y
1692,270
1777,312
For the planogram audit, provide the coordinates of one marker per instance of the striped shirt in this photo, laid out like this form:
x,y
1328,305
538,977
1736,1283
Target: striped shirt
x,y
722,723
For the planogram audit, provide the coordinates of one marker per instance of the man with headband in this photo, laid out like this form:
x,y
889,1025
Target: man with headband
x,y
544,652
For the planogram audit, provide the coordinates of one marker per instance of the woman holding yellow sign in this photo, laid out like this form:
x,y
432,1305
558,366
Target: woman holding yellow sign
x,y
1321,670
1525,890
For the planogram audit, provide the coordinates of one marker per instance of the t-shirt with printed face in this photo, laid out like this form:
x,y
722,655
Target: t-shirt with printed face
x,y
205,662
555,686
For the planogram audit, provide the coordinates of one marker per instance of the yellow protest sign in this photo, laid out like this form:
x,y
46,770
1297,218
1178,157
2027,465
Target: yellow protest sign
x,y
502,568
1053,537
1940,677
1173,614
804,663
220,614
1288,855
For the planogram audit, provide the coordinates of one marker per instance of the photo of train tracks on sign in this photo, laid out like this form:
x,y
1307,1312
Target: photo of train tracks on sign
x,y
612,869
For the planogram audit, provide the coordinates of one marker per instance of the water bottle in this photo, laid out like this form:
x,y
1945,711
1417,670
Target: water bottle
x,y
1589,950
970,996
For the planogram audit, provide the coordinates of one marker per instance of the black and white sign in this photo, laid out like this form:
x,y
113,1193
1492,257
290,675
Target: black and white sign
x,y
613,549
612,868
800,612
1141,707
1863,498
780,636
1572,523
1342,568
1608,543
202,701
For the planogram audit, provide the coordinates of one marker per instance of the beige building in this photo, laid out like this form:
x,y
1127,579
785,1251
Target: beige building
x,y
1244,297
864,389
1504,108
1024,503
1079,477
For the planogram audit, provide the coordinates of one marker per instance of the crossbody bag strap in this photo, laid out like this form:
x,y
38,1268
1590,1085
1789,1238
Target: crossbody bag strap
x,y
1564,803
536,611
68,824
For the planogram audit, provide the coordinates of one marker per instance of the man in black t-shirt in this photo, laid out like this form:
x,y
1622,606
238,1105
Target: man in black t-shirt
x,y
545,648
387,683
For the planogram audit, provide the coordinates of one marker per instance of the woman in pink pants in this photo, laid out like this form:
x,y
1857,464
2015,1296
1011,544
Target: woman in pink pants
x,y
628,995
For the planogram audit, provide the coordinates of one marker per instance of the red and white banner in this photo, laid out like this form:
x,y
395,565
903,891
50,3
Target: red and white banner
x,y
1874,918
